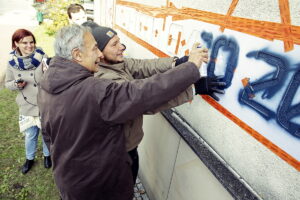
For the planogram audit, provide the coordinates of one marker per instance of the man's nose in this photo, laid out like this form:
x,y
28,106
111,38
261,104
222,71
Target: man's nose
x,y
100,54
123,47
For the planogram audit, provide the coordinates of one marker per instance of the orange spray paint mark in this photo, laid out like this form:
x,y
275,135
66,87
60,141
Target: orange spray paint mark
x,y
262,29
229,12
146,45
286,21
274,148
187,52
178,42
169,40
171,5
245,81
183,43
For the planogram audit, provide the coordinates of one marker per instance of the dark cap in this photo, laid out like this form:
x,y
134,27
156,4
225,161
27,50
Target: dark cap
x,y
103,35
90,24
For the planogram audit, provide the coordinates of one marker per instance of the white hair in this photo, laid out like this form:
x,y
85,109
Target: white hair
x,y
69,38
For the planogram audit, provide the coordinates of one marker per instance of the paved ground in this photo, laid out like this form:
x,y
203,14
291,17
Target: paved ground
x,y
14,14
139,191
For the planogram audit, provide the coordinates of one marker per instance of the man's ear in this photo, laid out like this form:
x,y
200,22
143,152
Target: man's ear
x,y
77,55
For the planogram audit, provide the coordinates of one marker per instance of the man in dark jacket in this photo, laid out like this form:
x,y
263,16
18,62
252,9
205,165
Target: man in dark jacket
x,y
82,117
115,67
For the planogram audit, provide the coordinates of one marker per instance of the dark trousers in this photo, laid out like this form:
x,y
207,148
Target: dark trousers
x,y
135,163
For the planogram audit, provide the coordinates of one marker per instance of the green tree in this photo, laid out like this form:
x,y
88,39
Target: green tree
x,y
57,14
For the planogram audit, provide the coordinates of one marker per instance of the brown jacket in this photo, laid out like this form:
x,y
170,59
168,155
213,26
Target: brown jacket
x,y
82,121
132,69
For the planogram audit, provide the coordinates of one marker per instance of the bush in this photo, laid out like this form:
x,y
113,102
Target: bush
x,y
57,14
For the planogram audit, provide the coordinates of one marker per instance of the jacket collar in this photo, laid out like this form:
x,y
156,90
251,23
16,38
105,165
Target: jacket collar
x,y
118,66
62,74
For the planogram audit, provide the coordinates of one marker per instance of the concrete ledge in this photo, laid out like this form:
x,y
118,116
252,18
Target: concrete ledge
x,y
231,181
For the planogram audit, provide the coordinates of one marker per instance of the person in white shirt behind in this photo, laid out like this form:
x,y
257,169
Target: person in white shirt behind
x,y
76,14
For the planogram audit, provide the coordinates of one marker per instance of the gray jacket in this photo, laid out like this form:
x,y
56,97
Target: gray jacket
x,y
130,70
26,98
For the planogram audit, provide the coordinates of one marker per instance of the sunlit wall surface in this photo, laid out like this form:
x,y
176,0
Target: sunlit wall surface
x,y
255,45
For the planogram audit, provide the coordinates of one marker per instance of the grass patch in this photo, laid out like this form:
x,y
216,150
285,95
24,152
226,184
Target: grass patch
x,y
38,183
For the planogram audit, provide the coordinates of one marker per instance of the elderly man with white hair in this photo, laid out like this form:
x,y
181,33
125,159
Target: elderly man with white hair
x,y
82,116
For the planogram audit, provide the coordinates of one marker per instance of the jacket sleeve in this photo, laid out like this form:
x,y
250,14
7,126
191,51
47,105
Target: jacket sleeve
x,y
47,138
10,79
143,68
126,101
184,97
148,67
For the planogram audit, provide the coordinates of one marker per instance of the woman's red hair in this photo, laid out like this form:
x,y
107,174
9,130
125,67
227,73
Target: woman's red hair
x,y
19,35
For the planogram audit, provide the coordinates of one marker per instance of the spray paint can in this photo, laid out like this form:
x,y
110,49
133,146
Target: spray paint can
x,y
203,68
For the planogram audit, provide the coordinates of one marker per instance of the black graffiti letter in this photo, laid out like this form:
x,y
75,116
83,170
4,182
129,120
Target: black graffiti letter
x,y
207,38
285,111
271,85
228,45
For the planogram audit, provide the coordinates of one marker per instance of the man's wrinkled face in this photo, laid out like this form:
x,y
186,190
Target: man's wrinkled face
x,y
113,51
78,17
90,54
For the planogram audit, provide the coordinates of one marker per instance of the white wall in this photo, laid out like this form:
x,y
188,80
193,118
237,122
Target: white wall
x,y
169,169
268,175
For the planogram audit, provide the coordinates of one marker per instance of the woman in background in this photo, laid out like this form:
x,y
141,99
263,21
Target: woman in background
x,y
24,71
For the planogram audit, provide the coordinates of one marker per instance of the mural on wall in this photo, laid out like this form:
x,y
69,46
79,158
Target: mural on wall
x,y
259,60
109,13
